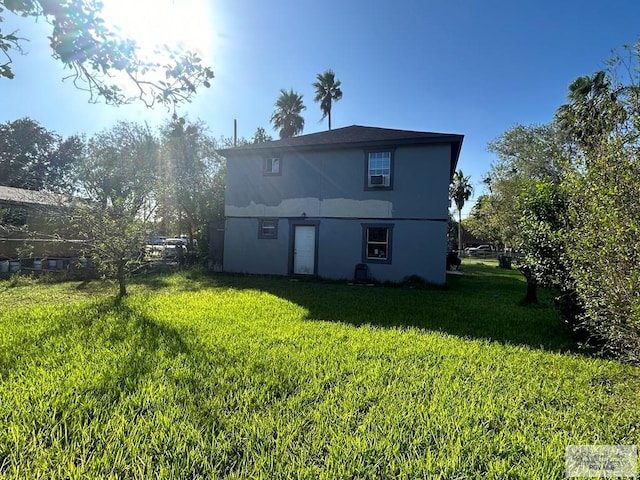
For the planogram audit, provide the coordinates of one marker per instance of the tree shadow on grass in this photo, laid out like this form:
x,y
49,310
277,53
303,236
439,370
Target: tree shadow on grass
x,y
125,356
186,280
477,305
142,342
135,345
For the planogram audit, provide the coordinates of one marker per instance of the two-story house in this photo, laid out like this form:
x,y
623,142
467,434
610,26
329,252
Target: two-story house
x,y
322,203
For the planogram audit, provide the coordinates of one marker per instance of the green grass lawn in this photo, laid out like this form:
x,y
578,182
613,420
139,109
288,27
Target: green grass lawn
x,y
196,376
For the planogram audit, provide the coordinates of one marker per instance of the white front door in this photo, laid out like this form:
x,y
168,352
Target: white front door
x,y
304,250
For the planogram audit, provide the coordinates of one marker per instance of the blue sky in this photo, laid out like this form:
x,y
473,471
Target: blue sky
x,y
455,66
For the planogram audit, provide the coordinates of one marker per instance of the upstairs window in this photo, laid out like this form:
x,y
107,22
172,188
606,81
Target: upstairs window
x,y
379,170
272,166
268,228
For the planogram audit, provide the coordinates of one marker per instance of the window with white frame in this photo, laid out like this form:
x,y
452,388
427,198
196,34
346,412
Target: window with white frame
x,y
377,243
379,168
272,166
268,228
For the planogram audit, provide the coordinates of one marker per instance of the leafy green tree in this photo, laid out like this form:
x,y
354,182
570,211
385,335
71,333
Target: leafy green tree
x,y
525,155
522,207
34,158
578,203
483,220
460,191
261,136
192,172
543,227
287,118
94,52
602,120
327,91
117,180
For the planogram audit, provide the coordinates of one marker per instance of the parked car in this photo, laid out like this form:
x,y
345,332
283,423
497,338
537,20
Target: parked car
x,y
155,247
479,250
171,246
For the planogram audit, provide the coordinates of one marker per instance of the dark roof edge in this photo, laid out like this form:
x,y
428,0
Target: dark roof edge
x,y
249,149
456,148
454,139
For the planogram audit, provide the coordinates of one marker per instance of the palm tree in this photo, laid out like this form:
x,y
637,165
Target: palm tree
x,y
286,118
327,90
593,110
460,191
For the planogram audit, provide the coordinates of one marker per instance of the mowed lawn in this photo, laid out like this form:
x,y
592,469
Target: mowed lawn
x,y
197,376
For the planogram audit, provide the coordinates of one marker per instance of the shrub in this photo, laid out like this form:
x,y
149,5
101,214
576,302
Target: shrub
x,y
605,252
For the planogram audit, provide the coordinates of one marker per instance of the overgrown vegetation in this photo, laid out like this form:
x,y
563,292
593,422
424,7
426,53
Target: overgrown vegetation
x,y
34,158
125,185
192,182
576,218
604,251
240,377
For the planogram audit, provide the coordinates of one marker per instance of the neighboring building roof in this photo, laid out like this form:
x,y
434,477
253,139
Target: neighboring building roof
x,y
468,237
29,197
353,137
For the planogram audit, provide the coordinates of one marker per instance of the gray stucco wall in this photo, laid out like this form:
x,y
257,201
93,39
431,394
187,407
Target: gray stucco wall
x,y
329,187
244,252
418,247
331,184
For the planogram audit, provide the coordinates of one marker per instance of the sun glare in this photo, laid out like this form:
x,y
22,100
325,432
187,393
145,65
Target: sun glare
x,y
151,23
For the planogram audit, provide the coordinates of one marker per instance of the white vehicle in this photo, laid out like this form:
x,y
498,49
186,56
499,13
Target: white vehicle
x,y
479,250
173,246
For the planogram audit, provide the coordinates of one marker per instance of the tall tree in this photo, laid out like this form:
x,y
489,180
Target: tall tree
x,y
483,220
117,179
327,91
460,191
191,171
261,136
542,225
84,43
287,118
593,112
526,154
35,158
523,189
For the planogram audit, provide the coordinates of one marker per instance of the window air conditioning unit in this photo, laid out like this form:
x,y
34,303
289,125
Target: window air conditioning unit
x,y
379,180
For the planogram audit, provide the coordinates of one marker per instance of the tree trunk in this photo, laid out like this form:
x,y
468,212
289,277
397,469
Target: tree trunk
x,y
121,279
329,119
459,230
